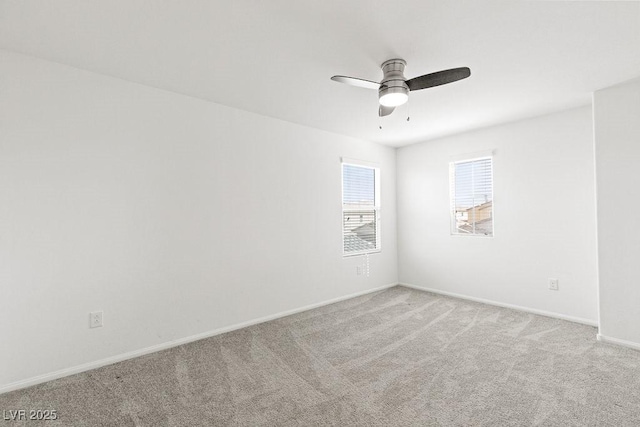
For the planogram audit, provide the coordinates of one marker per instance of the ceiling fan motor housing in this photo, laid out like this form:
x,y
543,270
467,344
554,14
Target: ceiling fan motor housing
x,y
393,89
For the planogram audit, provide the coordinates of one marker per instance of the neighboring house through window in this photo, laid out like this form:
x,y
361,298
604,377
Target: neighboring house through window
x,y
471,183
360,208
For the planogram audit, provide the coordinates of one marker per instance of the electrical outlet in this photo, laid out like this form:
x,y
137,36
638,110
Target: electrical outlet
x,y
95,319
553,284
358,270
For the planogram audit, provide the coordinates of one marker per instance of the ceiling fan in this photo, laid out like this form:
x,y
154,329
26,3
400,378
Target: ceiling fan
x,y
393,89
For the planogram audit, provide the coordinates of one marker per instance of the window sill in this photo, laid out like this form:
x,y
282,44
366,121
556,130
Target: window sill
x,y
482,236
351,254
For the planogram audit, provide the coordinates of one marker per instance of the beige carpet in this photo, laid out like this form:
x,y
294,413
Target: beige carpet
x,y
397,357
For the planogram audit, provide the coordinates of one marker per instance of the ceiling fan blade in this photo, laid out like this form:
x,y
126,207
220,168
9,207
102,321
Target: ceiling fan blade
x,y
367,84
385,111
438,78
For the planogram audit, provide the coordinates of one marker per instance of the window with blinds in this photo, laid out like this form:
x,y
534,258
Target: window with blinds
x,y
360,209
472,197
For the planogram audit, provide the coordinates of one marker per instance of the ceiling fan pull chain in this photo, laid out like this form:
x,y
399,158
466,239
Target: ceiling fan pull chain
x,y
408,113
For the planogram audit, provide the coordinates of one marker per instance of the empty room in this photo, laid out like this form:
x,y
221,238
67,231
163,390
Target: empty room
x,y
319,213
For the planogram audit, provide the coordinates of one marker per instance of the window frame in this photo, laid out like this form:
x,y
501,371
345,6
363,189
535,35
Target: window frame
x,y
376,205
452,218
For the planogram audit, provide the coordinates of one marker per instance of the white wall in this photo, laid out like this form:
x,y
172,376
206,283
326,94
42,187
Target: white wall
x,y
173,215
617,139
545,225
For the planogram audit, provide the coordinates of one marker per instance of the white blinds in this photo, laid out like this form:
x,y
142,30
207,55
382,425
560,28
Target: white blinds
x,y
360,215
472,197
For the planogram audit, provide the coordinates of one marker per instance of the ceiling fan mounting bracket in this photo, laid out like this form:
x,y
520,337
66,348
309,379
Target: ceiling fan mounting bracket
x,y
393,65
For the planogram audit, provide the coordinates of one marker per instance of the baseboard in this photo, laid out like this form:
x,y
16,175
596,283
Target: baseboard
x,y
505,305
169,344
618,341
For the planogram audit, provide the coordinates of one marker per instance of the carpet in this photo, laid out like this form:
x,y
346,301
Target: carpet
x,y
398,357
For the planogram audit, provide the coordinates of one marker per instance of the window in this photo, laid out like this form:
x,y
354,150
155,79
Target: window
x,y
360,209
472,196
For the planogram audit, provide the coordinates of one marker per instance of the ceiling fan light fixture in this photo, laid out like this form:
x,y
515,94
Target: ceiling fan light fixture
x,y
393,96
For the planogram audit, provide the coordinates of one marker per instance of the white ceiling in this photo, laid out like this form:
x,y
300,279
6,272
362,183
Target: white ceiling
x,y
275,57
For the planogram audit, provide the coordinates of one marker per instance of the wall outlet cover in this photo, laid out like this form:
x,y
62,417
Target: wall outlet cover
x,y
95,319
